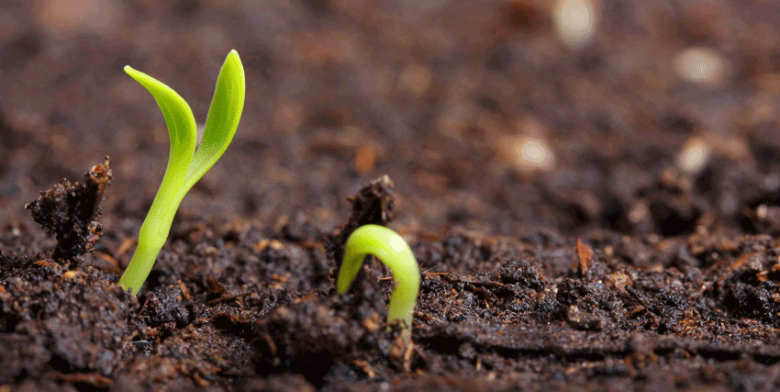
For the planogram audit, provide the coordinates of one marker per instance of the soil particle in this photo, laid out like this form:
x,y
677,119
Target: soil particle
x,y
584,320
522,273
69,212
374,204
167,305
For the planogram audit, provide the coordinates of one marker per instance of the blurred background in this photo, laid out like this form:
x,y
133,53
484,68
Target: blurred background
x,y
630,117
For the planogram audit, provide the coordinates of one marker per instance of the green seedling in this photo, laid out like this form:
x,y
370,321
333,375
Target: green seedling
x,y
392,250
185,165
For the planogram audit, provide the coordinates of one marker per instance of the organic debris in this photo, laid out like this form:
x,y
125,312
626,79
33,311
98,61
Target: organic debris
x,y
69,212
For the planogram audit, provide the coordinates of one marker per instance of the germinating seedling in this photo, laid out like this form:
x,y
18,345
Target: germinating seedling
x,y
392,250
185,165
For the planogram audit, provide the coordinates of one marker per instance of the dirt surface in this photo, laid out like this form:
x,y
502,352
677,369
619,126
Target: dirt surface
x,y
588,215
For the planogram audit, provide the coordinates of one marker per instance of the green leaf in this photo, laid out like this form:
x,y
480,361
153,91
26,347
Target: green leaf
x,y
222,121
183,134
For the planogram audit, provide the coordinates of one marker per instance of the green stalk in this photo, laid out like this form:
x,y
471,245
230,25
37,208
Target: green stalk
x,y
185,165
392,250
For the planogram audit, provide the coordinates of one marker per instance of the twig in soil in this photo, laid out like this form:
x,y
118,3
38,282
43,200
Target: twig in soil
x,y
185,165
392,250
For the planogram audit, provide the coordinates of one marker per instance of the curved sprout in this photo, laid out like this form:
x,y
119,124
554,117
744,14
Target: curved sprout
x,y
392,250
185,165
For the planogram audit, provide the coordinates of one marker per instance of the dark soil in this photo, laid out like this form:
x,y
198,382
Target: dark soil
x,y
617,266
70,211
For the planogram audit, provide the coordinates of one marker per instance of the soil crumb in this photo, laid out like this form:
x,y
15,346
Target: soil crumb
x,y
69,212
373,204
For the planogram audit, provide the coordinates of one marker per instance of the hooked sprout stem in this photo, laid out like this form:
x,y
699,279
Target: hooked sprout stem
x,y
392,250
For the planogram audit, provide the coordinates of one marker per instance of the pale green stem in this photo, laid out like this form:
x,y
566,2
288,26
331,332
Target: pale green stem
x,y
392,250
185,165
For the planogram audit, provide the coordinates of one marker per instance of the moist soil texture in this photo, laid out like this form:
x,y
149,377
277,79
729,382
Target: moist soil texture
x,y
592,212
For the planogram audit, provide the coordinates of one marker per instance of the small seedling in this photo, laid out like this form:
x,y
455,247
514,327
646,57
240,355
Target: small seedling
x,y
392,250
185,165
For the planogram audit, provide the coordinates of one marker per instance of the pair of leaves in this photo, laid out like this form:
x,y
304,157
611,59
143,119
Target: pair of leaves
x,y
221,123
185,165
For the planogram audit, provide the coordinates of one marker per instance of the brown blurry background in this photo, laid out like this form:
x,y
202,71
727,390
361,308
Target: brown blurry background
x,y
629,116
